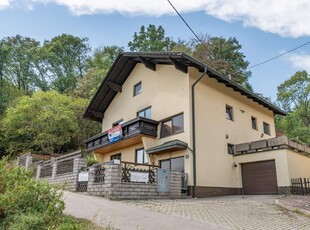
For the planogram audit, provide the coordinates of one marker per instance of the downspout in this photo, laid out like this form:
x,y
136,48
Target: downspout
x,y
194,131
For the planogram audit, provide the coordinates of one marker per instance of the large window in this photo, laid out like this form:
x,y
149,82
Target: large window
x,y
266,128
254,123
137,89
229,113
147,113
141,157
172,126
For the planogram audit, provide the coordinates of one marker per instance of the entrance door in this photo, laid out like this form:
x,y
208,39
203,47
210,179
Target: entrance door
x,y
176,164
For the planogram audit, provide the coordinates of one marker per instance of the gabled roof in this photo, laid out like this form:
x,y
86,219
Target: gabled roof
x,y
125,63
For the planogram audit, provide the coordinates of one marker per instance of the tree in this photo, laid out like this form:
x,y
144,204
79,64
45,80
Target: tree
x,y
221,54
294,97
17,66
66,57
43,123
47,122
97,68
151,39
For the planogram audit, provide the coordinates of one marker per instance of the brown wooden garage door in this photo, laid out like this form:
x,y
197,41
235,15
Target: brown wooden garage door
x,y
259,178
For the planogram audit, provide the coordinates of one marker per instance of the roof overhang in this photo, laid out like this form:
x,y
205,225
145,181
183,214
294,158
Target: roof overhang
x,y
125,63
170,146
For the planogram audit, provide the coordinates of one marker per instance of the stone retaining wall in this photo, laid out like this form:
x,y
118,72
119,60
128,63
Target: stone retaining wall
x,y
68,180
114,189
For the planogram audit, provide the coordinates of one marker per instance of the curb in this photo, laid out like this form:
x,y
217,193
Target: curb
x,y
292,209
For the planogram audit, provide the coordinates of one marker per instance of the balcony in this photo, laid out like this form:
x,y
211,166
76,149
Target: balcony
x,y
132,131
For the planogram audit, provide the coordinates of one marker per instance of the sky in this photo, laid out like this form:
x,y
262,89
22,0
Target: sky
x,y
264,28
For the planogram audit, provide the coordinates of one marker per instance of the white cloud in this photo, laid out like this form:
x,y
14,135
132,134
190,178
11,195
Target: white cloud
x,y
4,4
285,17
300,61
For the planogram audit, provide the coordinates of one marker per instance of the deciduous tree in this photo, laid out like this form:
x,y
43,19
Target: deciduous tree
x,y
223,55
97,68
294,96
66,57
151,38
46,122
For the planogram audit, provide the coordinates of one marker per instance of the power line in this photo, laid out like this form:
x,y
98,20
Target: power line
x,y
268,60
188,26
263,62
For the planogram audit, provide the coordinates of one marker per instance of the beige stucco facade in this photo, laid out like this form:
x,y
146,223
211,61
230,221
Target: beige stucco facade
x,y
214,131
168,92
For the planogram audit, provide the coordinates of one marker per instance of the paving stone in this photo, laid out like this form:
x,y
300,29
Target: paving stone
x,y
232,212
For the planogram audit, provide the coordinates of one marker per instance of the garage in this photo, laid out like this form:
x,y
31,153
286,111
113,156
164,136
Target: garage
x,y
259,178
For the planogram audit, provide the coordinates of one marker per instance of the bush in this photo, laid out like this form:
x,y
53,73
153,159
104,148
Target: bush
x,y
91,160
26,203
29,204
21,193
26,221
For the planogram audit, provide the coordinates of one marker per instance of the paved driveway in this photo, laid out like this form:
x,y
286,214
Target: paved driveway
x,y
119,215
232,212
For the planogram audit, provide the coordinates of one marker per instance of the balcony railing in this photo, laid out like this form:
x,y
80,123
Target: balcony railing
x,y
130,129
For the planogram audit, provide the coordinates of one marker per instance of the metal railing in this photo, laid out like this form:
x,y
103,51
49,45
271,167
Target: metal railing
x,y
300,186
46,170
65,166
99,173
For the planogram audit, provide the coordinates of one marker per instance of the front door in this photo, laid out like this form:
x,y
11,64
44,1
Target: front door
x,y
175,164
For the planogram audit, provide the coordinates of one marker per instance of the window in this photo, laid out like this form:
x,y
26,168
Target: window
x,y
229,113
173,164
231,149
266,128
137,89
145,113
116,157
141,157
172,126
254,123
116,123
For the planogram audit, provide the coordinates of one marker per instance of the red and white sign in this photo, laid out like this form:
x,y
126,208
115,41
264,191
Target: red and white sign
x,y
115,134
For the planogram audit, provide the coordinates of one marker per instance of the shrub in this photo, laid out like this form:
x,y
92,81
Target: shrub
x,y
91,160
26,221
25,201
29,204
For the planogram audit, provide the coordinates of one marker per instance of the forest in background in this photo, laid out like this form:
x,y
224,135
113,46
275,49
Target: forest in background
x,y
46,87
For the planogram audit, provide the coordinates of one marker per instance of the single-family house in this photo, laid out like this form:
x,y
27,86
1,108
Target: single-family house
x,y
169,109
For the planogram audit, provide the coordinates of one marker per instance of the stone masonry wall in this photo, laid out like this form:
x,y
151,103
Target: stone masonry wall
x,y
96,189
114,189
68,180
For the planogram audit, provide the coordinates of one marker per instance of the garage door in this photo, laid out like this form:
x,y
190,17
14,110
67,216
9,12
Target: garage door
x,y
259,178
